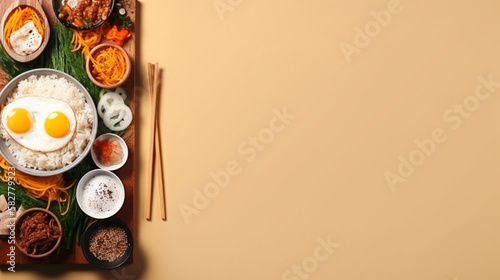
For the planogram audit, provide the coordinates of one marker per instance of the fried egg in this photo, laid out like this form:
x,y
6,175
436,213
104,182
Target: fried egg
x,y
39,123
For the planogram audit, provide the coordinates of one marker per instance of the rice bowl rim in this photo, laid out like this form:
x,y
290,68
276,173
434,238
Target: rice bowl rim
x,y
12,85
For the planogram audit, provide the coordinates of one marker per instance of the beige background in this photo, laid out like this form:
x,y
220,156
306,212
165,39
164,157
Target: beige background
x,y
323,175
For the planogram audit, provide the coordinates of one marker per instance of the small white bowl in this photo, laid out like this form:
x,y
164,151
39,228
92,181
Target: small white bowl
x,y
98,199
122,144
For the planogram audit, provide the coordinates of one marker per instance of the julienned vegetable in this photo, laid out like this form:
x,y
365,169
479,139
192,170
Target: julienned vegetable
x,y
109,66
86,40
51,188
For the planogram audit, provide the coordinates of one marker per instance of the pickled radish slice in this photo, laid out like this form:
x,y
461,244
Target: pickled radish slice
x,y
118,117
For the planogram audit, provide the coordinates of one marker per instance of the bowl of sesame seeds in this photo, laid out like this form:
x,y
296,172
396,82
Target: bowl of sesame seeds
x,y
108,243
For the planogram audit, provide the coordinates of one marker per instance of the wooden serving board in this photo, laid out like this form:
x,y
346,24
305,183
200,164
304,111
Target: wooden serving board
x,y
126,173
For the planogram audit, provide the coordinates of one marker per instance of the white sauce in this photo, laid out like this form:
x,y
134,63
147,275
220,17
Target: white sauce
x,y
101,195
26,40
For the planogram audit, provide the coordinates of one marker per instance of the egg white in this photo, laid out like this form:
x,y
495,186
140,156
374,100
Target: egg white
x,y
36,138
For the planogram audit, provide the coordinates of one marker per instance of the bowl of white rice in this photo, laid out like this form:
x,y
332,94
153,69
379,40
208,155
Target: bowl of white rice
x,y
52,85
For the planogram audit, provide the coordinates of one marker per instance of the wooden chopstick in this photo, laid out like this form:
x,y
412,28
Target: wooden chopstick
x,y
154,159
159,175
158,158
149,166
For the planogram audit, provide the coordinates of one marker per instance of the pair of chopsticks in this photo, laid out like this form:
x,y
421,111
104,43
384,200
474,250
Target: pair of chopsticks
x,y
155,164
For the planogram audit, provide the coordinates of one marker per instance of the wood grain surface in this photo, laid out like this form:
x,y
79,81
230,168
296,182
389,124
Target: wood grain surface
x,y
126,173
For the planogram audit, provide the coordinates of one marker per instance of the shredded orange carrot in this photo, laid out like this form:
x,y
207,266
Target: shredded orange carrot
x,y
86,40
50,188
109,66
19,18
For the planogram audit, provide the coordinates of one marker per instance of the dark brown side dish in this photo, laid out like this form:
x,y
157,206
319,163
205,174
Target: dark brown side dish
x,y
38,233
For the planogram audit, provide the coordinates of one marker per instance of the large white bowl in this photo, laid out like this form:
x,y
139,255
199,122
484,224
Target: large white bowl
x,y
7,90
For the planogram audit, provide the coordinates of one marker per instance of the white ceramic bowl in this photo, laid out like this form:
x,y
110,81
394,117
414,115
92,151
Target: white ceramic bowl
x,y
93,196
122,144
7,90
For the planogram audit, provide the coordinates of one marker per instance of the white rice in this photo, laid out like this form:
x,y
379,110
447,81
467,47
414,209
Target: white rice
x,y
57,88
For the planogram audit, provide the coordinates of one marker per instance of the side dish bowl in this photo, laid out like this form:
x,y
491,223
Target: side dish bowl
x,y
86,239
34,4
59,9
55,225
96,156
100,194
11,86
89,65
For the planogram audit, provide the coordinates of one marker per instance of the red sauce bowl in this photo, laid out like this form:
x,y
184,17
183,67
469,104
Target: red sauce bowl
x,y
95,150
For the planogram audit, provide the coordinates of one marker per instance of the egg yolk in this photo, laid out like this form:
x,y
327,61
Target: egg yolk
x,y
57,125
19,120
